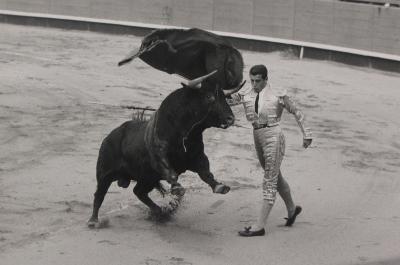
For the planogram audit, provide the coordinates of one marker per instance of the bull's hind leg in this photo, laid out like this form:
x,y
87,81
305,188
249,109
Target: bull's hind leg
x,y
102,187
141,190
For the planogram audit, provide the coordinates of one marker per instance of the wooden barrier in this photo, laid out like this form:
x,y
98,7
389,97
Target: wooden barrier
x,y
310,28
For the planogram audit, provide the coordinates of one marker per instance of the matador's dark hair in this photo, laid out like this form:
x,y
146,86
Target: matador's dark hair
x,y
259,69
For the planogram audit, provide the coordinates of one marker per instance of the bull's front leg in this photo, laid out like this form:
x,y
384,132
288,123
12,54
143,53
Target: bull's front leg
x,y
201,166
161,163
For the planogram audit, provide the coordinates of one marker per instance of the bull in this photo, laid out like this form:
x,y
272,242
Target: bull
x,y
165,146
191,53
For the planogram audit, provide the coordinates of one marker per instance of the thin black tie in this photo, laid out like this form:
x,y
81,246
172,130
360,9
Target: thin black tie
x,y
256,106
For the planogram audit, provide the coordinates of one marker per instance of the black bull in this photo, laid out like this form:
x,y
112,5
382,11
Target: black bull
x,y
162,148
172,142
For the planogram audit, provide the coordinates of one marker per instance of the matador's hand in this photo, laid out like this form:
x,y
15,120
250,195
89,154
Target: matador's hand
x,y
306,142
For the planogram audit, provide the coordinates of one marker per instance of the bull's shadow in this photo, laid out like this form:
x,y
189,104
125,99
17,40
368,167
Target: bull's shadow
x,y
164,147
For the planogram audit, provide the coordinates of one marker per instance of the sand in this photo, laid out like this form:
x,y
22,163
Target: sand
x,y
51,128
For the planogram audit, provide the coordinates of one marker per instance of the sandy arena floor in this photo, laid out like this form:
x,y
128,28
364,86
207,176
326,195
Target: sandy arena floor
x,y
50,131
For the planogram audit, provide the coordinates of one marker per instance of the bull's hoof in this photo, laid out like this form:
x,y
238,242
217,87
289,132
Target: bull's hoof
x,y
221,188
93,223
167,210
177,190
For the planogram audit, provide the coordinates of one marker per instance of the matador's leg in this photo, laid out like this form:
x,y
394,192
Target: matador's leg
x,y
284,192
269,147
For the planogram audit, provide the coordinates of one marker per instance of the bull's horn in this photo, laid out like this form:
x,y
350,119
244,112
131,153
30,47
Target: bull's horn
x,y
234,90
132,55
196,83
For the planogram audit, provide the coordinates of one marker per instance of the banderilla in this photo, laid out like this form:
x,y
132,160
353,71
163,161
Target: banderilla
x,y
144,109
138,108
124,106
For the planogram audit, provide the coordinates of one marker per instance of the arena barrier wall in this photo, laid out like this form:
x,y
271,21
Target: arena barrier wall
x,y
362,35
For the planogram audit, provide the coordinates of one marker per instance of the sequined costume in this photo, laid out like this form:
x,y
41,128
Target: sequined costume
x,y
268,137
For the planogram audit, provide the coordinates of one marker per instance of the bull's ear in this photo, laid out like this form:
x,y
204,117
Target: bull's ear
x,y
229,76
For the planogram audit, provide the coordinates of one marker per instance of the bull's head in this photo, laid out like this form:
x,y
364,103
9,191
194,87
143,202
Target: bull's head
x,y
207,101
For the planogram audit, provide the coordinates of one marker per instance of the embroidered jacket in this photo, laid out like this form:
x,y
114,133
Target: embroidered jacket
x,y
270,108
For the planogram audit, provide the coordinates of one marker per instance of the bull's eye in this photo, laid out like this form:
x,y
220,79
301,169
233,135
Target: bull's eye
x,y
210,97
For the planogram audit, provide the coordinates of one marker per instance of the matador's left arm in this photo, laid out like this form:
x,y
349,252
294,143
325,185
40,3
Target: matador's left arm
x,y
291,107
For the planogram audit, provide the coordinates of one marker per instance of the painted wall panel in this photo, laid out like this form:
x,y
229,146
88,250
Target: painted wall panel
x,y
274,18
71,7
107,9
352,26
233,16
151,11
193,13
39,6
314,21
386,31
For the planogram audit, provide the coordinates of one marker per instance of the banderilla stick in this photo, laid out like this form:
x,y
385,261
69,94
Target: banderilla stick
x,y
123,106
139,108
146,108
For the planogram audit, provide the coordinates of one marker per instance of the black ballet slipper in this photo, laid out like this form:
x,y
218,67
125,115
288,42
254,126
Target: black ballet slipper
x,y
247,233
290,221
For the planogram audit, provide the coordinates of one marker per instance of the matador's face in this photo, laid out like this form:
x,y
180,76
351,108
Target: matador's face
x,y
258,82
